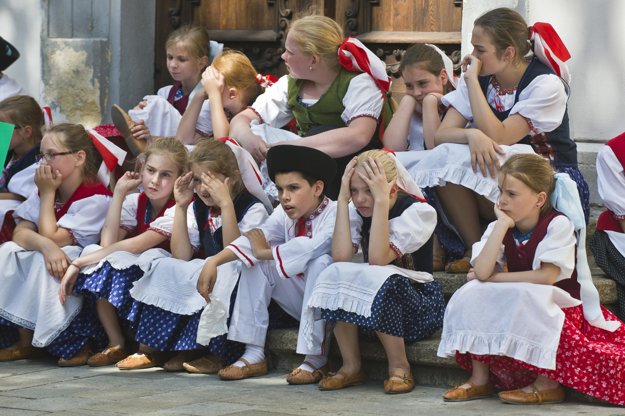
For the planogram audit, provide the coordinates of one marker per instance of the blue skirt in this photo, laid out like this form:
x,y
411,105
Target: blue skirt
x,y
108,283
401,308
84,330
168,331
449,240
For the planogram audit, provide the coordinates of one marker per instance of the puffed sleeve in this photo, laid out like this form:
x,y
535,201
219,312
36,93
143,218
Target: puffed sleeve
x,y
362,99
128,216
558,247
542,103
164,91
165,224
85,219
412,228
292,257
255,216
611,181
478,246
459,100
23,182
29,209
271,106
273,229
204,124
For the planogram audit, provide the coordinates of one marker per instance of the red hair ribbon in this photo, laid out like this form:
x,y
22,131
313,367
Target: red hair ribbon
x,y
549,49
356,57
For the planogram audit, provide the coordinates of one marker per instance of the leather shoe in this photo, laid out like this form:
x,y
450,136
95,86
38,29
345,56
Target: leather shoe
x,y
176,363
110,356
347,380
397,384
462,265
208,364
80,358
18,352
535,397
300,376
458,394
124,123
139,361
232,372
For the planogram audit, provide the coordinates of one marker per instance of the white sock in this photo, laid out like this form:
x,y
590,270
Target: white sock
x,y
253,354
313,362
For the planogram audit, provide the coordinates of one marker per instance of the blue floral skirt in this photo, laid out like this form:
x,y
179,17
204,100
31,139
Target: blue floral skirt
x,y
110,284
168,331
84,330
401,308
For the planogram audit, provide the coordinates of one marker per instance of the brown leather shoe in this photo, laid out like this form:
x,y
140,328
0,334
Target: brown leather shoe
x,y
124,123
80,358
232,372
397,385
300,376
535,397
18,352
208,364
458,394
462,265
347,380
110,356
139,361
176,363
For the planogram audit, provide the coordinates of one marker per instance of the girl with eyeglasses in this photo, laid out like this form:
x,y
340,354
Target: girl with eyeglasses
x,y
53,224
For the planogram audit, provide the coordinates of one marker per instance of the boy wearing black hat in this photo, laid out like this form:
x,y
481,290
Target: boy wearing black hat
x,y
282,260
8,55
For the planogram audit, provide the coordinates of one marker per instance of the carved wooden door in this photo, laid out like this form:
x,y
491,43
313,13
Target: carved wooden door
x,y
258,27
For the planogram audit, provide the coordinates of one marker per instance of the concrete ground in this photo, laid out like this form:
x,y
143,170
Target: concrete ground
x,y
41,388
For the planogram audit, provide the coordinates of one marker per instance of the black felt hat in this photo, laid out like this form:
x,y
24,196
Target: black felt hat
x,y
8,54
312,162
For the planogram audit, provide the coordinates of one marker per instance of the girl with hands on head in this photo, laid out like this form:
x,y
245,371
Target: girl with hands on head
x,y
53,225
392,295
213,207
506,97
230,84
131,238
572,340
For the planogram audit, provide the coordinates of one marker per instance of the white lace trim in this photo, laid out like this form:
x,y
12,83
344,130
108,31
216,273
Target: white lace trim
x,y
516,347
458,175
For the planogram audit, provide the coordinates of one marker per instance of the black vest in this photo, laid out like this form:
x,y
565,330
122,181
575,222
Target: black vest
x,y
22,163
212,242
420,260
555,145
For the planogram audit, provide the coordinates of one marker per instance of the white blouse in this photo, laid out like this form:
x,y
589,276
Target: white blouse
x,y
542,102
407,232
84,218
558,247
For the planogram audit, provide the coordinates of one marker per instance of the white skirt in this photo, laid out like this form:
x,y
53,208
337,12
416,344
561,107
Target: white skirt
x,y
451,162
30,295
518,320
171,284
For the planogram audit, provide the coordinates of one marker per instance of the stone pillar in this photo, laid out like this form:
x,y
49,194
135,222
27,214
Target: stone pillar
x,y
97,53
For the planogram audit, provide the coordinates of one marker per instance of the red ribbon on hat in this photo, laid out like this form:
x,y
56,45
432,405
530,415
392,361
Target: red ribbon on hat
x,y
356,57
109,159
549,48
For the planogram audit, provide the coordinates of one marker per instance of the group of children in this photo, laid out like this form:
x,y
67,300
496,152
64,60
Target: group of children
x,y
187,254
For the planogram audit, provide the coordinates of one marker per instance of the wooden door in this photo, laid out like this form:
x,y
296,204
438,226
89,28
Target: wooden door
x,y
258,27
